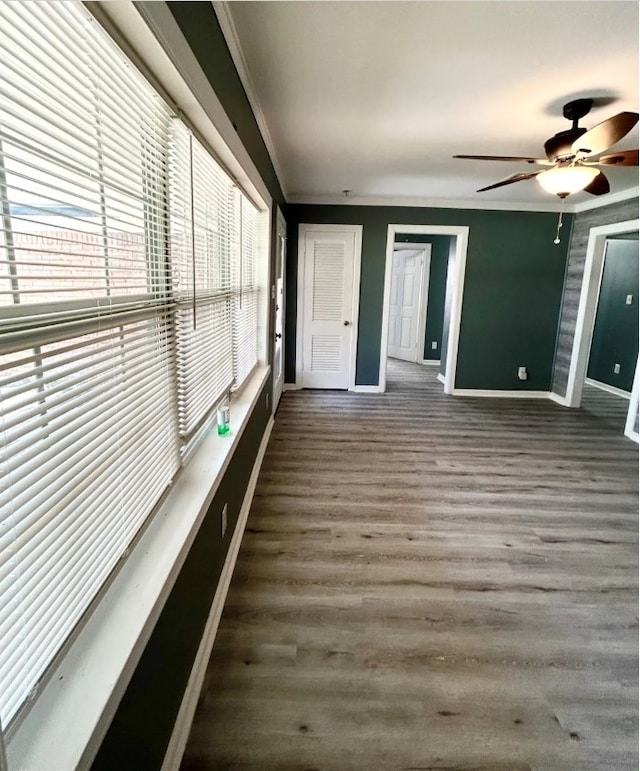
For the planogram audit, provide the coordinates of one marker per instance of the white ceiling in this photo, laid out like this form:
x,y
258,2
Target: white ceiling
x,y
376,96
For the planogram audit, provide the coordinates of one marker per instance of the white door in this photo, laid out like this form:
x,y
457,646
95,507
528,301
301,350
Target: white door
x,y
405,313
330,285
278,343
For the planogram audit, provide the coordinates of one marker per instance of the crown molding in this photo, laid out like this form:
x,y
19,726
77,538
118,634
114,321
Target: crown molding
x,y
225,19
434,203
606,200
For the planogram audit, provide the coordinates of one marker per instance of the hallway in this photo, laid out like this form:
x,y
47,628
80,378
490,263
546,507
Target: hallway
x,y
430,582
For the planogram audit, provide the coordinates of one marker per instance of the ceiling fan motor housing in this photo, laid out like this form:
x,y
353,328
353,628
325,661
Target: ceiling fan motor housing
x,y
559,145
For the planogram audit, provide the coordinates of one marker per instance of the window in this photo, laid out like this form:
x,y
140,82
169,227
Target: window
x,y
128,309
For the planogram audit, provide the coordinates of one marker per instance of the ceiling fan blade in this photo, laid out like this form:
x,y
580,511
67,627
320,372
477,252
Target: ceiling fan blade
x,y
605,134
510,180
623,158
599,185
523,158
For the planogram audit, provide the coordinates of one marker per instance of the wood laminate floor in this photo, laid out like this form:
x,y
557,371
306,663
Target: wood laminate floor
x,y
430,582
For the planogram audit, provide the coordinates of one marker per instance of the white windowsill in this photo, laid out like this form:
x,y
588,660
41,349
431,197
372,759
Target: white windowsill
x,y
68,721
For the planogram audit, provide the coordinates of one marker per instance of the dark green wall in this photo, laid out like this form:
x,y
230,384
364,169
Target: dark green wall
x,y
139,734
615,335
512,293
437,286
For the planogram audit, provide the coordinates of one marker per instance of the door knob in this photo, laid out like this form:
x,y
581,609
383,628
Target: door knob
x,y
278,335
346,323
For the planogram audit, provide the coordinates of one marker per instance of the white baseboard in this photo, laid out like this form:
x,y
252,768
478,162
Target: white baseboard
x,y
358,389
609,388
440,377
501,394
562,400
180,735
430,362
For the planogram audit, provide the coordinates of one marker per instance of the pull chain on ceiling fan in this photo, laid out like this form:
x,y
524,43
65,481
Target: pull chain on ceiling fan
x,y
570,154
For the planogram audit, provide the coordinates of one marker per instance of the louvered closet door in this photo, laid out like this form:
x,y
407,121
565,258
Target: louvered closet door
x,y
328,304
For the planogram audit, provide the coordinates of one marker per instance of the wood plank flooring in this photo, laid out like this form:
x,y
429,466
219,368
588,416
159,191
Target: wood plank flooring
x,y
429,583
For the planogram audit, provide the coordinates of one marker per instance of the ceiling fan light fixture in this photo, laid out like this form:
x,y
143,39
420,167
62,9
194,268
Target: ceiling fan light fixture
x,y
565,180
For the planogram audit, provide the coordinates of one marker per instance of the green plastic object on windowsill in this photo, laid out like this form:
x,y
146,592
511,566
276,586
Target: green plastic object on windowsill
x,y
223,419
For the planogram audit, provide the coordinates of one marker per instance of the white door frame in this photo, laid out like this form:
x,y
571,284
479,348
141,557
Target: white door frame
x,y
588,306
461,235
634,406
281,246
421,322
302,232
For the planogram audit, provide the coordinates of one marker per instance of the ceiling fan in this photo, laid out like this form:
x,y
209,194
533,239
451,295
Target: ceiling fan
x,y
570,154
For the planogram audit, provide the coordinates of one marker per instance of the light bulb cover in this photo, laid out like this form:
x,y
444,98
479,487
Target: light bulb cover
x,y
565,180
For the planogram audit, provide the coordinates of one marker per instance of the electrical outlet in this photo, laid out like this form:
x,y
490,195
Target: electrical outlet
x,y
522,373
434,345
223,520
616,369
629,299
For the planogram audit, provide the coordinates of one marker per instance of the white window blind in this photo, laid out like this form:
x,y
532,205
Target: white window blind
x,y
87,385
213,251
245,291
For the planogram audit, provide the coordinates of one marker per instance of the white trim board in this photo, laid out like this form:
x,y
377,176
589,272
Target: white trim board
x,y
589,293
467,203
605,200
425,203
501,394
303,227
634,407
440,377
461,235
430,362
367,389
279,333
609,388
182,726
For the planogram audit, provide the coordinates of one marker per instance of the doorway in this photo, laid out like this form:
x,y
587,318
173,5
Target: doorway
x,y
592,354
440,347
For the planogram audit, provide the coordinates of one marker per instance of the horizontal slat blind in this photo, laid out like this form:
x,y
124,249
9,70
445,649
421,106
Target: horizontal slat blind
x,y
245,292
88,422
82,147
201,220
88,448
